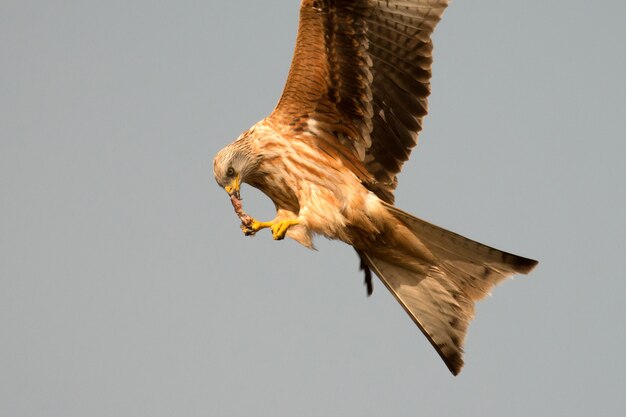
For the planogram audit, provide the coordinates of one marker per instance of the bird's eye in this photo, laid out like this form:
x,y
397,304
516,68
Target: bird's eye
x,y
230,172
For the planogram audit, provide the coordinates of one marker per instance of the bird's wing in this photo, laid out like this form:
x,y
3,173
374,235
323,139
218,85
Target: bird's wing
x,y
360,78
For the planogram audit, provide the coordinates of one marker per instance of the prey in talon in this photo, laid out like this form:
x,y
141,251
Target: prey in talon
x,y
249,225
246,220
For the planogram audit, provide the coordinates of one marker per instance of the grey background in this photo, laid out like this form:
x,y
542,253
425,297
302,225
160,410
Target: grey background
x,y
126,288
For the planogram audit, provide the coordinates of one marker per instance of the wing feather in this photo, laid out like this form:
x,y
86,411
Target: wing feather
x,y
360,79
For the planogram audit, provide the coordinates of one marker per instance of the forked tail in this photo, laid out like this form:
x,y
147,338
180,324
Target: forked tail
x,y
441,299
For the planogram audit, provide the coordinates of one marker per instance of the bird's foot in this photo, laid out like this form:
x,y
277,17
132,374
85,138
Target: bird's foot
x,y
253,226
279,228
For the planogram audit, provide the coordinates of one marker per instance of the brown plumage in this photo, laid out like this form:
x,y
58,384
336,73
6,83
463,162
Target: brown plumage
x,y
329,153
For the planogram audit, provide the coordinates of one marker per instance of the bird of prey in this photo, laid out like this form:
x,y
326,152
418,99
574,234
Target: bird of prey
x,y
328,156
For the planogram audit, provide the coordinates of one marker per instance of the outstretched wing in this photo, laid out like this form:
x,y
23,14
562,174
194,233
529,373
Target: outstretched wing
x,y
360,78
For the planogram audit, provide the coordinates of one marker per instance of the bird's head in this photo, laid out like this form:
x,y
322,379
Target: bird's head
x,y
233,165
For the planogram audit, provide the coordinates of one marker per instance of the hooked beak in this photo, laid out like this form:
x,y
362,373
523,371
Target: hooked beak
x,y
233,188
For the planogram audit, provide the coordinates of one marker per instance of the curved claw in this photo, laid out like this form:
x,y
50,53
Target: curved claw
x,y
247,231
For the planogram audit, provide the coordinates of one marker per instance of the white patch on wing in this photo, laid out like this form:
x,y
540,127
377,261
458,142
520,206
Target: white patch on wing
x,y
313,126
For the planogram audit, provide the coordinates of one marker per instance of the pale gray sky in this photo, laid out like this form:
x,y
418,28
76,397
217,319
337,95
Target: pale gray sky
x,y
126,288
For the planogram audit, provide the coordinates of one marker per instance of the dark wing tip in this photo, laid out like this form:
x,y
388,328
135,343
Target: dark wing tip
x,y
454,362
525,265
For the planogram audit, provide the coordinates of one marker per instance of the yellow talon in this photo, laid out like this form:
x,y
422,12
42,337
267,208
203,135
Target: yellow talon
x,y
254,227
257,225
279,229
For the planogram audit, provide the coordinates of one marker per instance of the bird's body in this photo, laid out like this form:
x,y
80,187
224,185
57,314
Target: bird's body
x,y
316,189
329,153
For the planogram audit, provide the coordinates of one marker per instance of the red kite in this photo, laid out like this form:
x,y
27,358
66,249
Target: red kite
x,y
329,153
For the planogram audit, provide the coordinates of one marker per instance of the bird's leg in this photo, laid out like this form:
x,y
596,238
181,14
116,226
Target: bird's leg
x,y
251,227
280,227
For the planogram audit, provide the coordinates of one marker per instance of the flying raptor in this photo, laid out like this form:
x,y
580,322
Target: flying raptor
x,y
329,153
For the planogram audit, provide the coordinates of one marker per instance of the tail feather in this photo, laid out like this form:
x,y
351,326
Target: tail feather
x,y
441,312
475,267
440,298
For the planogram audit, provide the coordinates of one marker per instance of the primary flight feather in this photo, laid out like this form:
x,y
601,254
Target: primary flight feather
x,y
329,153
